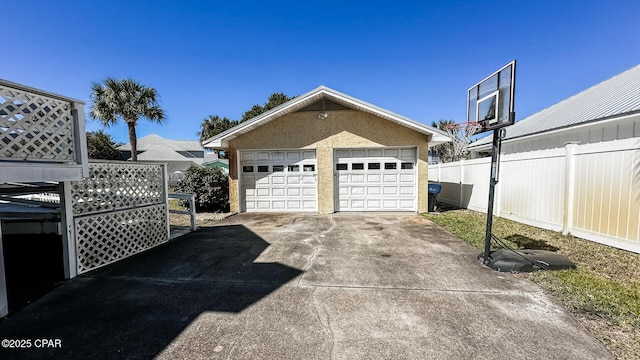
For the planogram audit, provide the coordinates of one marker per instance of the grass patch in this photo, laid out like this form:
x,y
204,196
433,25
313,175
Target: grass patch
x,y
175,204
603,292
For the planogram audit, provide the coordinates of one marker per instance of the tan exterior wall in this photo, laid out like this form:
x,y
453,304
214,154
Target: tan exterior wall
x,y
342,129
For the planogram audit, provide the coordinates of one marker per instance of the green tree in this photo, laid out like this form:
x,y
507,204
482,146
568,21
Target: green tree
x,y
275,99
213,125
128,100
100,145
210,186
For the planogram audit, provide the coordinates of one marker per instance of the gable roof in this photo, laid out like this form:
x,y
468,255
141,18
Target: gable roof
x,y
164,153
618,96
222,140
152,140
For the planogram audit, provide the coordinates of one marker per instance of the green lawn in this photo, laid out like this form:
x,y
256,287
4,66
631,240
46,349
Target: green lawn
x,y
603,292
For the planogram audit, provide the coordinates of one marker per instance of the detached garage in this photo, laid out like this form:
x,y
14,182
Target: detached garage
x,y
325,152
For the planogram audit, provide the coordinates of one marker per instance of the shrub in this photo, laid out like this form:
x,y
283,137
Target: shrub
x,y
210,186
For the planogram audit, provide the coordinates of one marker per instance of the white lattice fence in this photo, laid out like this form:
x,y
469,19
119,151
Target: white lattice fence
x,y
113,186
119,211
35,126
105,238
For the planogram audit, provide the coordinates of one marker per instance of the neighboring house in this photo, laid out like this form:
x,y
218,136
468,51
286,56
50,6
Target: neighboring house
x,y
605,112
218,163
179,155
325,151
572,167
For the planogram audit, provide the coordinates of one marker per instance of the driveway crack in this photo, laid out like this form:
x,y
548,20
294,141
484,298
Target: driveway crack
x,y
312,241
323,318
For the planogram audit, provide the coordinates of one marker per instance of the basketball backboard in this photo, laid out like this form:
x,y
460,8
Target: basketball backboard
x,y
490,102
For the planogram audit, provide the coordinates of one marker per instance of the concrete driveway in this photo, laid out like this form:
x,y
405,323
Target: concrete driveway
x,y
342,286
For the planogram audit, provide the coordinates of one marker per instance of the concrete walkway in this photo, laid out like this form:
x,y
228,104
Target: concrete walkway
x,y
303,287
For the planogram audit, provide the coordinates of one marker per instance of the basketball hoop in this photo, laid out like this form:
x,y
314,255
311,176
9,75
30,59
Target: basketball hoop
x,y
460,134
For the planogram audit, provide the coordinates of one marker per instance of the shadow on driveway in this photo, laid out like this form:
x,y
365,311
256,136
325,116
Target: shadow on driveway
x,y
136,307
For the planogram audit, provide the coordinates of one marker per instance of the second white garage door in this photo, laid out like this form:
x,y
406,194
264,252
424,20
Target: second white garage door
x,y
279,180
376,179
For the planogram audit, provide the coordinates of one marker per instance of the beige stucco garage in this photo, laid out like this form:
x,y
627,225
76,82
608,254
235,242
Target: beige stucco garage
x,y
325,151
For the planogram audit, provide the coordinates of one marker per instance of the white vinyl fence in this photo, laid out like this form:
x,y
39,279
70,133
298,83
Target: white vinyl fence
x,y
591,191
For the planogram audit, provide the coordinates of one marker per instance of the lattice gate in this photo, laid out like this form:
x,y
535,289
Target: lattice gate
x,y
119,211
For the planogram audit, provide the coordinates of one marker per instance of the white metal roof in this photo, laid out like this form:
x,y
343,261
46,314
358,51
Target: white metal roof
x,y
611,98
222,140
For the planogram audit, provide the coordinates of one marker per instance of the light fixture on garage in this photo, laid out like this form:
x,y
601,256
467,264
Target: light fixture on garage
x,y
323,114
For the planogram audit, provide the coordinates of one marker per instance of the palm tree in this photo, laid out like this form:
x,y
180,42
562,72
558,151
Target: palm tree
x,y
128,100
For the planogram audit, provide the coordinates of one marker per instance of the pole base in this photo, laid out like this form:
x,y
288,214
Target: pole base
x,y
505,260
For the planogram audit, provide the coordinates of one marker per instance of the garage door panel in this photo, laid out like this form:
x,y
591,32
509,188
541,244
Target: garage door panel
x,y
374,178
407,153
391,152
390,190
390,178
390,204
357,178
263,155
263,205
374,153
374,204
407,190
279,180
357,204
382,179
374,190
407,178
406,203
308,179
248,156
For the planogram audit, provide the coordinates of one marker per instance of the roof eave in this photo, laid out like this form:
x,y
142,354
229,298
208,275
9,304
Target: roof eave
x,y
221,141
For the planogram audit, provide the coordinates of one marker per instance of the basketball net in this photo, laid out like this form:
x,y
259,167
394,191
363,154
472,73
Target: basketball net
x,y
460,134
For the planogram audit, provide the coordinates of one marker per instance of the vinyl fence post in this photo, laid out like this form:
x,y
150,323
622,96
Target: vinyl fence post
x,y
461,184
569,191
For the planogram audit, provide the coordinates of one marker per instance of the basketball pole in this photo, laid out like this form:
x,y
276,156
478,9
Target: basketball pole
x,y
498,134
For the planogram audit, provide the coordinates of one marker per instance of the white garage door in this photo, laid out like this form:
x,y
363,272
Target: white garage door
x,y
279,180
376,179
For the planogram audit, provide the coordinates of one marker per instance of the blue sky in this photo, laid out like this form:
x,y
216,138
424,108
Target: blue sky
x,y
415,58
